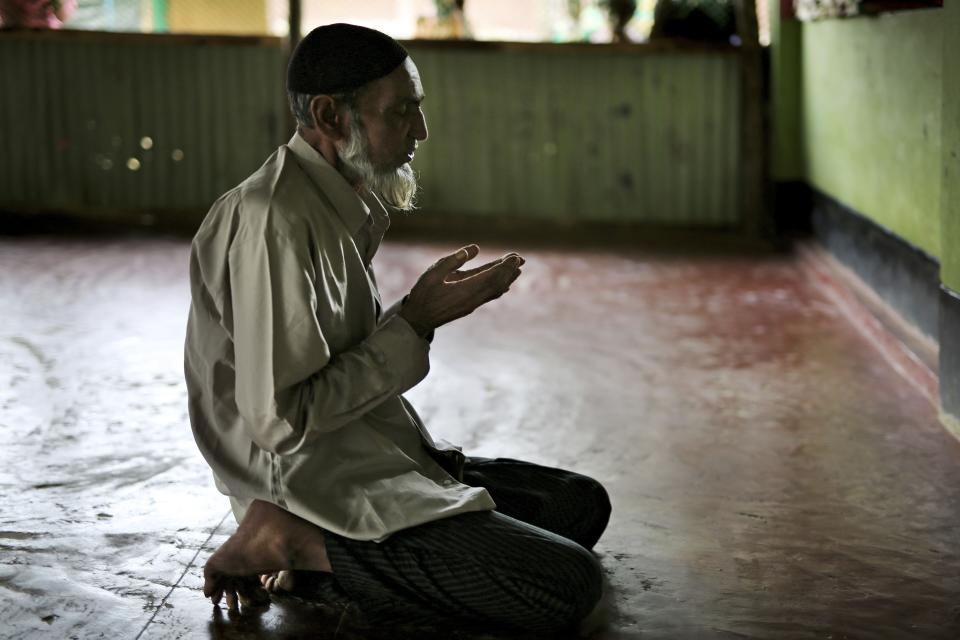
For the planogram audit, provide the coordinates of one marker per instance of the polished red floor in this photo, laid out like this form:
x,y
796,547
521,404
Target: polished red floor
x,y
771,475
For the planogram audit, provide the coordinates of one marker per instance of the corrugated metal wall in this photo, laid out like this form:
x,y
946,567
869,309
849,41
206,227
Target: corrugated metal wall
x,y
542,132
620,136
76,112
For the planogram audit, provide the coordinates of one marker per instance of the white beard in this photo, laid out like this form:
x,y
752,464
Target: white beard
x,y
398,187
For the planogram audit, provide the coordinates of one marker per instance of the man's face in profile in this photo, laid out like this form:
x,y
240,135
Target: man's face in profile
x,y
384,129
391,117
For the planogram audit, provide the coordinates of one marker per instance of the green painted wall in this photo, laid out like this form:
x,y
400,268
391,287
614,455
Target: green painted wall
x,y
871,92
950,194
632,134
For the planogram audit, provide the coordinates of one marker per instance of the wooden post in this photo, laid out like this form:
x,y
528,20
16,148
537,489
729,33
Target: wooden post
x,y
294,14
752,138
293,38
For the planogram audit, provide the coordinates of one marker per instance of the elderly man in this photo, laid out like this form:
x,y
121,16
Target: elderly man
x,y
295,375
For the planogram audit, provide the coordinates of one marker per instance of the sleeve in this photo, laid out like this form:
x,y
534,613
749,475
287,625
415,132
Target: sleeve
x,y
289,386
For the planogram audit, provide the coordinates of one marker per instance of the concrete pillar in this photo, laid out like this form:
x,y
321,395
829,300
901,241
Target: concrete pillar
x,y
950,222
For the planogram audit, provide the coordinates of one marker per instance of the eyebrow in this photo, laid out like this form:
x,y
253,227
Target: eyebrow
x,y
416,100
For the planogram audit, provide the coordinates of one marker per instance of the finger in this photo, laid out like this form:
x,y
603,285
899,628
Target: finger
x,y
506,274
514,254
459,276
513,261
456,260
490,276
501,288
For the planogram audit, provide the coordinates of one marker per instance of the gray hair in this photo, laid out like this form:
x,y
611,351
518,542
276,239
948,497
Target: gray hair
x,y
300,104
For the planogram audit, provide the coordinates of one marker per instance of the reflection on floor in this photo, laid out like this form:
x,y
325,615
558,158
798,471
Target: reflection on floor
x,y
771,476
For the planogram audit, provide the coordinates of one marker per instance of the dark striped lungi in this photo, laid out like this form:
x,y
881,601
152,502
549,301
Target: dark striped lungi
x,y
525,565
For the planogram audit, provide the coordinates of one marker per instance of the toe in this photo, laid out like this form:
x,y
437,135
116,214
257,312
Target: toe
x,y
209,582
285,581
253,595
232,600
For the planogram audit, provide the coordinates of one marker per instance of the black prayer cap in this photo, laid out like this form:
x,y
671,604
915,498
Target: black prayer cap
x,y
341,57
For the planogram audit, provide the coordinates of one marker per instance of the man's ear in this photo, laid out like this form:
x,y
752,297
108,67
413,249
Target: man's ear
x,y
327,119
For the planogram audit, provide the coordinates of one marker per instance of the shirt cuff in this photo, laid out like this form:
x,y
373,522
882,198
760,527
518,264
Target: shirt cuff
x,y
398,348
394,310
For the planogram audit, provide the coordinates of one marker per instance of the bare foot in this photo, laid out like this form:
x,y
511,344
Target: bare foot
x,y
268,540
279,581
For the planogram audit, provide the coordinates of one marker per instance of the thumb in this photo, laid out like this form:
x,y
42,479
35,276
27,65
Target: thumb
x,y
456,260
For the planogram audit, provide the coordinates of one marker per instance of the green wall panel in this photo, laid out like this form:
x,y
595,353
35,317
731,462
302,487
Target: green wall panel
x,y
618,136
74,123
871,118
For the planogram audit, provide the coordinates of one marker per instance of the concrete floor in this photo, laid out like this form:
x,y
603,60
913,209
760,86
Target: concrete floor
x,y
771,475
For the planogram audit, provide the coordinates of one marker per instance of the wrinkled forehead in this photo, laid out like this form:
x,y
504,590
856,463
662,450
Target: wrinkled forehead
x,y
401,84
414,83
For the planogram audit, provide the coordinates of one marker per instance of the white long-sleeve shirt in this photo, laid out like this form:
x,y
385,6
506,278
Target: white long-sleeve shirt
x,y
293,373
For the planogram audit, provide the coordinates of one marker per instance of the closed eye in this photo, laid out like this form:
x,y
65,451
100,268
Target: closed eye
x,y
408,105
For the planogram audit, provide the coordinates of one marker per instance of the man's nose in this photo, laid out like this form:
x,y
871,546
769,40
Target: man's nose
x,y
419,131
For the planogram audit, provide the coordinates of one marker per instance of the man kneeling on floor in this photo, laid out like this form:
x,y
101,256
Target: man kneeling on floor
x,y
295,376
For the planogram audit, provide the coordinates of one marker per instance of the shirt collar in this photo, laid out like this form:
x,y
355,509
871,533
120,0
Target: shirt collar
x,y
349,205
377,224
379,217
